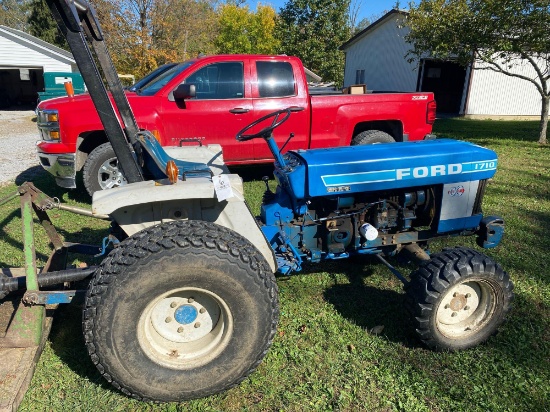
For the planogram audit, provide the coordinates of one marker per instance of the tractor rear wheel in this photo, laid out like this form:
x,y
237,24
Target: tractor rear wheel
x,y
181,310
458,299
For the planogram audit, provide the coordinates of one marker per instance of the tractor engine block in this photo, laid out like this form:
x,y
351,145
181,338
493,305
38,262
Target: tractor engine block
x,y
340,219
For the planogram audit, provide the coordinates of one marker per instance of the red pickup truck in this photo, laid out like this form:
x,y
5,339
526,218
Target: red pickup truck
x,y
230,91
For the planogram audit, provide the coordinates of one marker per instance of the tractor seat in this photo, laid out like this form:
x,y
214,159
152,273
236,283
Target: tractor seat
x,y
155,159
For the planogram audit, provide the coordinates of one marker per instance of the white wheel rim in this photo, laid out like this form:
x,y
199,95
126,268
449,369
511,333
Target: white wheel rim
x,y
109,175
185,328
466,308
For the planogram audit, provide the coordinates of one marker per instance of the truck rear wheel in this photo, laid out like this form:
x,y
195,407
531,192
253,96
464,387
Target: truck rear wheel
x,y
372,136
101,170
181,310
458,299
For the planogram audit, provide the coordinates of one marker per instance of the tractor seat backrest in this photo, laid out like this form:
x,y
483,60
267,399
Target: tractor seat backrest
x,y
155,159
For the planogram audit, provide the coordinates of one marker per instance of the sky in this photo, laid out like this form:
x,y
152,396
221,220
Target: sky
x,y
367,8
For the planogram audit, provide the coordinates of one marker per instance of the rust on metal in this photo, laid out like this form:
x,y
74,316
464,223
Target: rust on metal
x,y
458,302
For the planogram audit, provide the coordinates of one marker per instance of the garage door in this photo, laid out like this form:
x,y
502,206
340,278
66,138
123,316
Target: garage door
x,y
20,85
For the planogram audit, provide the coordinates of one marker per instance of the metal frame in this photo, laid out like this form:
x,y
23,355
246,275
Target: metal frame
x,y
26,327
78,22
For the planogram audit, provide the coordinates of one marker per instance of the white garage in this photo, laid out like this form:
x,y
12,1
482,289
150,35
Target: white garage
x,y
23,61
376,57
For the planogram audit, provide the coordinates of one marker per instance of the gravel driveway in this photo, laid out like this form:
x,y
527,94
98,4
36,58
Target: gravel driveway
x,y
18,136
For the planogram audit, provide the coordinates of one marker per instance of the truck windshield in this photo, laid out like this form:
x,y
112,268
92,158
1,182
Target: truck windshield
x,y
151,88
141,83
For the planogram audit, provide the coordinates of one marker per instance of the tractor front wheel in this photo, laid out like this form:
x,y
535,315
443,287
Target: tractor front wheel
x,y
181,310
458,299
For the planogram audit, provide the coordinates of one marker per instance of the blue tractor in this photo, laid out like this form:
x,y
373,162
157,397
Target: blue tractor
x,y
189,298
185,304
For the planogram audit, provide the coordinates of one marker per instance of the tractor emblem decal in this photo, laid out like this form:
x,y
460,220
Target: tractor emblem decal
x,y
456,191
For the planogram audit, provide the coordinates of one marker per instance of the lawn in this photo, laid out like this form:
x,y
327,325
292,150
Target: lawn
x,y
331,352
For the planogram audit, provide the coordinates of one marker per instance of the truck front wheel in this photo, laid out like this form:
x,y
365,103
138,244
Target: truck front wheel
x,y
372,136
181,310
101,170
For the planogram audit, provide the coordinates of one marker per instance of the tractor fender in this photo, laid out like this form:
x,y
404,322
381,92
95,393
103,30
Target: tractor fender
x,y
137,206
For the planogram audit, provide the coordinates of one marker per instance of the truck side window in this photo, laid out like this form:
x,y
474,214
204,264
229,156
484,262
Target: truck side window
x,y
219,81
275,79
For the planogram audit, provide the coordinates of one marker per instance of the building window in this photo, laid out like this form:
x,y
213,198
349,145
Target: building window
x,y
360,77
24,74
434,73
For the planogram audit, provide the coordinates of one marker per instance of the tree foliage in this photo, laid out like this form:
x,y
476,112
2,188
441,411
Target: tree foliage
x,y
314,30
14,14
42,24
143,34
499,34
244,31
362,25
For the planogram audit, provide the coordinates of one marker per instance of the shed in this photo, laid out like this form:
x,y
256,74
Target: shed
x,y
23,61
376,56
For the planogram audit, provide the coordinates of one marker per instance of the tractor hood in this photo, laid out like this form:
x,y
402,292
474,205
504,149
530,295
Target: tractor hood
x,y
393,165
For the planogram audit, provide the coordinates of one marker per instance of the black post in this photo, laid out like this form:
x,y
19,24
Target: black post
x,y
76,19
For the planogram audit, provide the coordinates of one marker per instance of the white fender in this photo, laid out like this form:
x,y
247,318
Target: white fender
x,y
139,205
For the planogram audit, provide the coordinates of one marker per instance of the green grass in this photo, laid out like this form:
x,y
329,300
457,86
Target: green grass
x,y
323,357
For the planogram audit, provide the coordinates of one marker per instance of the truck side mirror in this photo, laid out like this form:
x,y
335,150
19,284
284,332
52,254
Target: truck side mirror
x,y
184,91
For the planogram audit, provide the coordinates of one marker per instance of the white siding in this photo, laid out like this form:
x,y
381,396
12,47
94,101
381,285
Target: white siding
x,y
18,54
495,94
381,53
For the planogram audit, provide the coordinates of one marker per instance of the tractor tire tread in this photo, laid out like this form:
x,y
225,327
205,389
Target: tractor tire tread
x,y
443,269
185,233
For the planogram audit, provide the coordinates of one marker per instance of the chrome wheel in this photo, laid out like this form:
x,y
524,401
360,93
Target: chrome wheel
x,y
109,175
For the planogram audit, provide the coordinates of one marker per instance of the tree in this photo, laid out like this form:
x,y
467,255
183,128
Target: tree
x,y
243,31
14,14
353,13
314,30
143,34
362,25
498,35
43,25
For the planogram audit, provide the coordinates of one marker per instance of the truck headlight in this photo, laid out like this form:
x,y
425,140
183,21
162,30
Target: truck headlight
x,y
48,124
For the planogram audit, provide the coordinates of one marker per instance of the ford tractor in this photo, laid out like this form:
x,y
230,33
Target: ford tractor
x,y
185,301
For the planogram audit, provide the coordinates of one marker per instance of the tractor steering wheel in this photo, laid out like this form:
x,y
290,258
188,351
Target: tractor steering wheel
x,y
266,131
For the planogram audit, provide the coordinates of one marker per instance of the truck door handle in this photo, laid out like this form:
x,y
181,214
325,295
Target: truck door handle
x,y
239,110
296,109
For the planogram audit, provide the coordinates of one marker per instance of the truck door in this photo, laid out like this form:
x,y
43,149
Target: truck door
x,y
221,108
278,88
